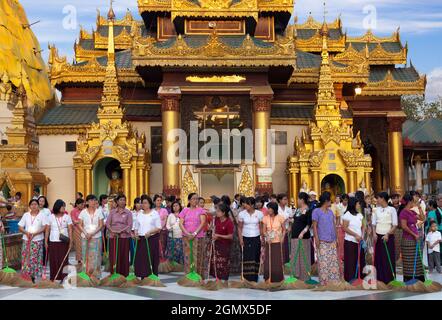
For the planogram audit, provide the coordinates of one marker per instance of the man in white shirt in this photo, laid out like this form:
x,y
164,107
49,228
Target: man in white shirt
x,y
433,240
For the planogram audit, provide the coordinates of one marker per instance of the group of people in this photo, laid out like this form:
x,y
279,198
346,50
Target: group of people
x,y
251,236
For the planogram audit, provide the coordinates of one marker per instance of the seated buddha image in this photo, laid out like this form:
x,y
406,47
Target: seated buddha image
x,y
327,187
115,184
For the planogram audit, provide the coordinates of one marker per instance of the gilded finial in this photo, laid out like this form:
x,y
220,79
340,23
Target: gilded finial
x,y
111,13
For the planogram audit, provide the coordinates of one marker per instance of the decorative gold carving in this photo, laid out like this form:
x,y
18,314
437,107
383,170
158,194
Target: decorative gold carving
x,y
5,179
188,184
370,37
276,6
355,158
5,87
214,53
216,79
246,187
214,8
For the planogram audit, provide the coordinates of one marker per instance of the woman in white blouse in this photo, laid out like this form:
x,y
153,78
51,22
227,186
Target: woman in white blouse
x,y
32,225
384,222
147,232
175,239
90,226
58,239
250,239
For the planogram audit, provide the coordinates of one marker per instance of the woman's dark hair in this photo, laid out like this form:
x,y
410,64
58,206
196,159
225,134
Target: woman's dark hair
x,y
280,196
265,197
91,197
432,203
46,205
201,198
191,195
325,197
414,193
102,197
149,199
120,196
242,200
260,200
173,204
18,194
155,197
224,209
351,207
216,200
78,202
171,198
33,200
137,200
304,197
345,196
226,199
57,206
250,201
406,199
274,207
80,194
382,195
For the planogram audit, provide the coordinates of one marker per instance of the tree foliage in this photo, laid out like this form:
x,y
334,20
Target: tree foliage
x,y
417,109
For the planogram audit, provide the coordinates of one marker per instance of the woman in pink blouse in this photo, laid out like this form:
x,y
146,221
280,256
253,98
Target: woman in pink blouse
x,y
192,223
158,200
119,225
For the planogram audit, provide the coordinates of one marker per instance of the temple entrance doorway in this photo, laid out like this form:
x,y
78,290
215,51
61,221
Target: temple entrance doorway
x,y
333,184
107,177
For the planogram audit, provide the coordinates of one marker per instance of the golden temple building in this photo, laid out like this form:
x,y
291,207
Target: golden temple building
x,y
332,101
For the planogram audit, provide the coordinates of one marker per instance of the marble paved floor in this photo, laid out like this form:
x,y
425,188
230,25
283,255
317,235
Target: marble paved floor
x,y
172,291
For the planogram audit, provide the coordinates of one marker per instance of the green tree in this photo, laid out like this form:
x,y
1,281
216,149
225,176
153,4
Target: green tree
x,y
416,108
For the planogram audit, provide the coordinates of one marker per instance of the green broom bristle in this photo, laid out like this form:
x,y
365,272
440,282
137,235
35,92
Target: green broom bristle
x,y
131,277
290,280
84,276
193,276
8,270
311,282
396,283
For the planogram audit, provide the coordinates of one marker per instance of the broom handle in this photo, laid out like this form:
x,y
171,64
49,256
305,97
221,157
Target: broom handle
x,y
46,261
116,256
295,259
242,263
135,252
422,260
214,258
61,265
389,259
210,259
415,260
192,267
358,271
306,265
270,262
4,251
148,255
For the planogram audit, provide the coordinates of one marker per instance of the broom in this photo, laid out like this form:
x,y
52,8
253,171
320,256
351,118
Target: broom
x,y
288,265
115,279
375,284
308,267
393,284
83,279
152,280
105,261
293,283
7,275
45,283
268,285
357,281
164,266
242,282
414,285
429,285
132,279
210,284
192,279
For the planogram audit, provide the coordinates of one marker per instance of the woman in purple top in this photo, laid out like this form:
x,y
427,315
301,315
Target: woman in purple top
x,y
326,242
408,219
119,225
192,223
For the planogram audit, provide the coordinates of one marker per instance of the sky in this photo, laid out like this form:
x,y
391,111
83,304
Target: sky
x,y
420,23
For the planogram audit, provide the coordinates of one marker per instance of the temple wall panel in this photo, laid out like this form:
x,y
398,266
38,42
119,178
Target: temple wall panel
x,y
57,164
280,180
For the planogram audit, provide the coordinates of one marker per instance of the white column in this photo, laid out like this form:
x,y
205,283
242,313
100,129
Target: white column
x,y
419,172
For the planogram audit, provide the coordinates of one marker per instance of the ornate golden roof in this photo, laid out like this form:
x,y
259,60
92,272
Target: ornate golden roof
x,y
215,53
20,58
215,8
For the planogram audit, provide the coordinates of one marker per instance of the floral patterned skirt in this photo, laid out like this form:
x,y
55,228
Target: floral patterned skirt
x,y
32,258
199,256
328,263
175,250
